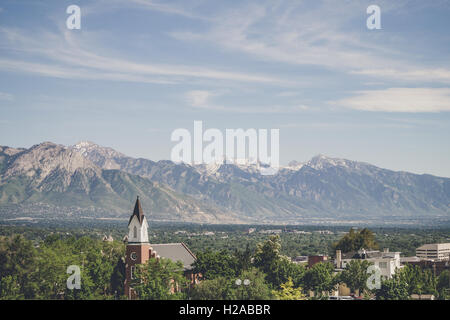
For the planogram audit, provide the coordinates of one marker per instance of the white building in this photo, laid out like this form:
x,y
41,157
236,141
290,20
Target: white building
x,y
387,262
434,251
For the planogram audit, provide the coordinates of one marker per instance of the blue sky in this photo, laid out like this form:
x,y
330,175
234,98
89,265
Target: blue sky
x,y
138,69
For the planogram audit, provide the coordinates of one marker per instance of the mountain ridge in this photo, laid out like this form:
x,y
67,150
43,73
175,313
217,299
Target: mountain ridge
x,y
322,188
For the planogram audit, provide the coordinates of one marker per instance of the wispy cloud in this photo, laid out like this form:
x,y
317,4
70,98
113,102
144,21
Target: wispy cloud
x,y
293,33
202,99
70,59
6,96
411,75
399,100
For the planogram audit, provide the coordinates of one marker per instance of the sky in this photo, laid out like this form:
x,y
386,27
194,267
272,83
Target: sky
x,y
139,69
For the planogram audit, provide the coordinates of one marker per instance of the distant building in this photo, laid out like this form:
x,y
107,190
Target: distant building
x,y
251,230
434,251
274,231
323,232
108,238
312,260
300,259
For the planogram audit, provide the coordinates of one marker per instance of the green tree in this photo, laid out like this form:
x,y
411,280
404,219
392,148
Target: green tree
x,y
284,270
320,279
278,268
222,288
243,259
17,259
443,285
214,264
355,275
354,241
393,289
118,278
418,281
219,288
267,254
10,288
160,279
288,292
256,289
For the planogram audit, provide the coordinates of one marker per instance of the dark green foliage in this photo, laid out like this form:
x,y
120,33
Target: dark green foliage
x,y
222,288
355,275
277,267
41,273
320,279
160,279
417,280
214,264
393,289
443,285
33,266
354,241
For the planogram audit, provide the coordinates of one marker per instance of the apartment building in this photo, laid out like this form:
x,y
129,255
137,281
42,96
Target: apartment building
x,y
434,251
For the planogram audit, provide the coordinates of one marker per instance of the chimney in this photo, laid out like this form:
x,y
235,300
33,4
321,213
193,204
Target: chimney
x,y
338,259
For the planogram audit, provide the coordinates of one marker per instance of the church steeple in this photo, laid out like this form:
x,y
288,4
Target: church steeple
x,y
137,225
138,249
137,212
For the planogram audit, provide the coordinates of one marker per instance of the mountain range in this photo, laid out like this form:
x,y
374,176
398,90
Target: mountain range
x,y
87,180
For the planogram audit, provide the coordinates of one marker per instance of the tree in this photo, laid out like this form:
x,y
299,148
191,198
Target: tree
x,y
243,259
288,292
443,285
355,275
257,288
10,289
320,279
214,264
278,268
284,270
393,289
160,279
267,254
219,288
222,288
118,278
17,259
418,281
354,241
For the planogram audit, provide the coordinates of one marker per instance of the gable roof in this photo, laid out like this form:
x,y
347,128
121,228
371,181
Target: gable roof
x,y
175,252
137,212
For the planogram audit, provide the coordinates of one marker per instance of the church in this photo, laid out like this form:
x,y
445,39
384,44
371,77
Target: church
x,y
139,250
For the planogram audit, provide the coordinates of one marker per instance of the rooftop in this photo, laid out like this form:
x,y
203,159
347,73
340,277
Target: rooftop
x,y
175,252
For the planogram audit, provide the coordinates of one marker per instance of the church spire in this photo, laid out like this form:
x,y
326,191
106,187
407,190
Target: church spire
x,y
137,212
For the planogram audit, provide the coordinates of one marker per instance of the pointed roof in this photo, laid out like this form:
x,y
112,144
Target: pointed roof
x,y
137,212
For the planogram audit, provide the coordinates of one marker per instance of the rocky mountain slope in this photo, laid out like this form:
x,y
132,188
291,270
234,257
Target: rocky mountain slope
x,y
320,188
91,180
49,175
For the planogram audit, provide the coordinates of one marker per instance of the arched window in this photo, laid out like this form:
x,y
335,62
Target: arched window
x,y
134,232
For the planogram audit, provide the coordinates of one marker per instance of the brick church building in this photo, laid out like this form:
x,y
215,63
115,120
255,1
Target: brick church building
x,y
139,250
